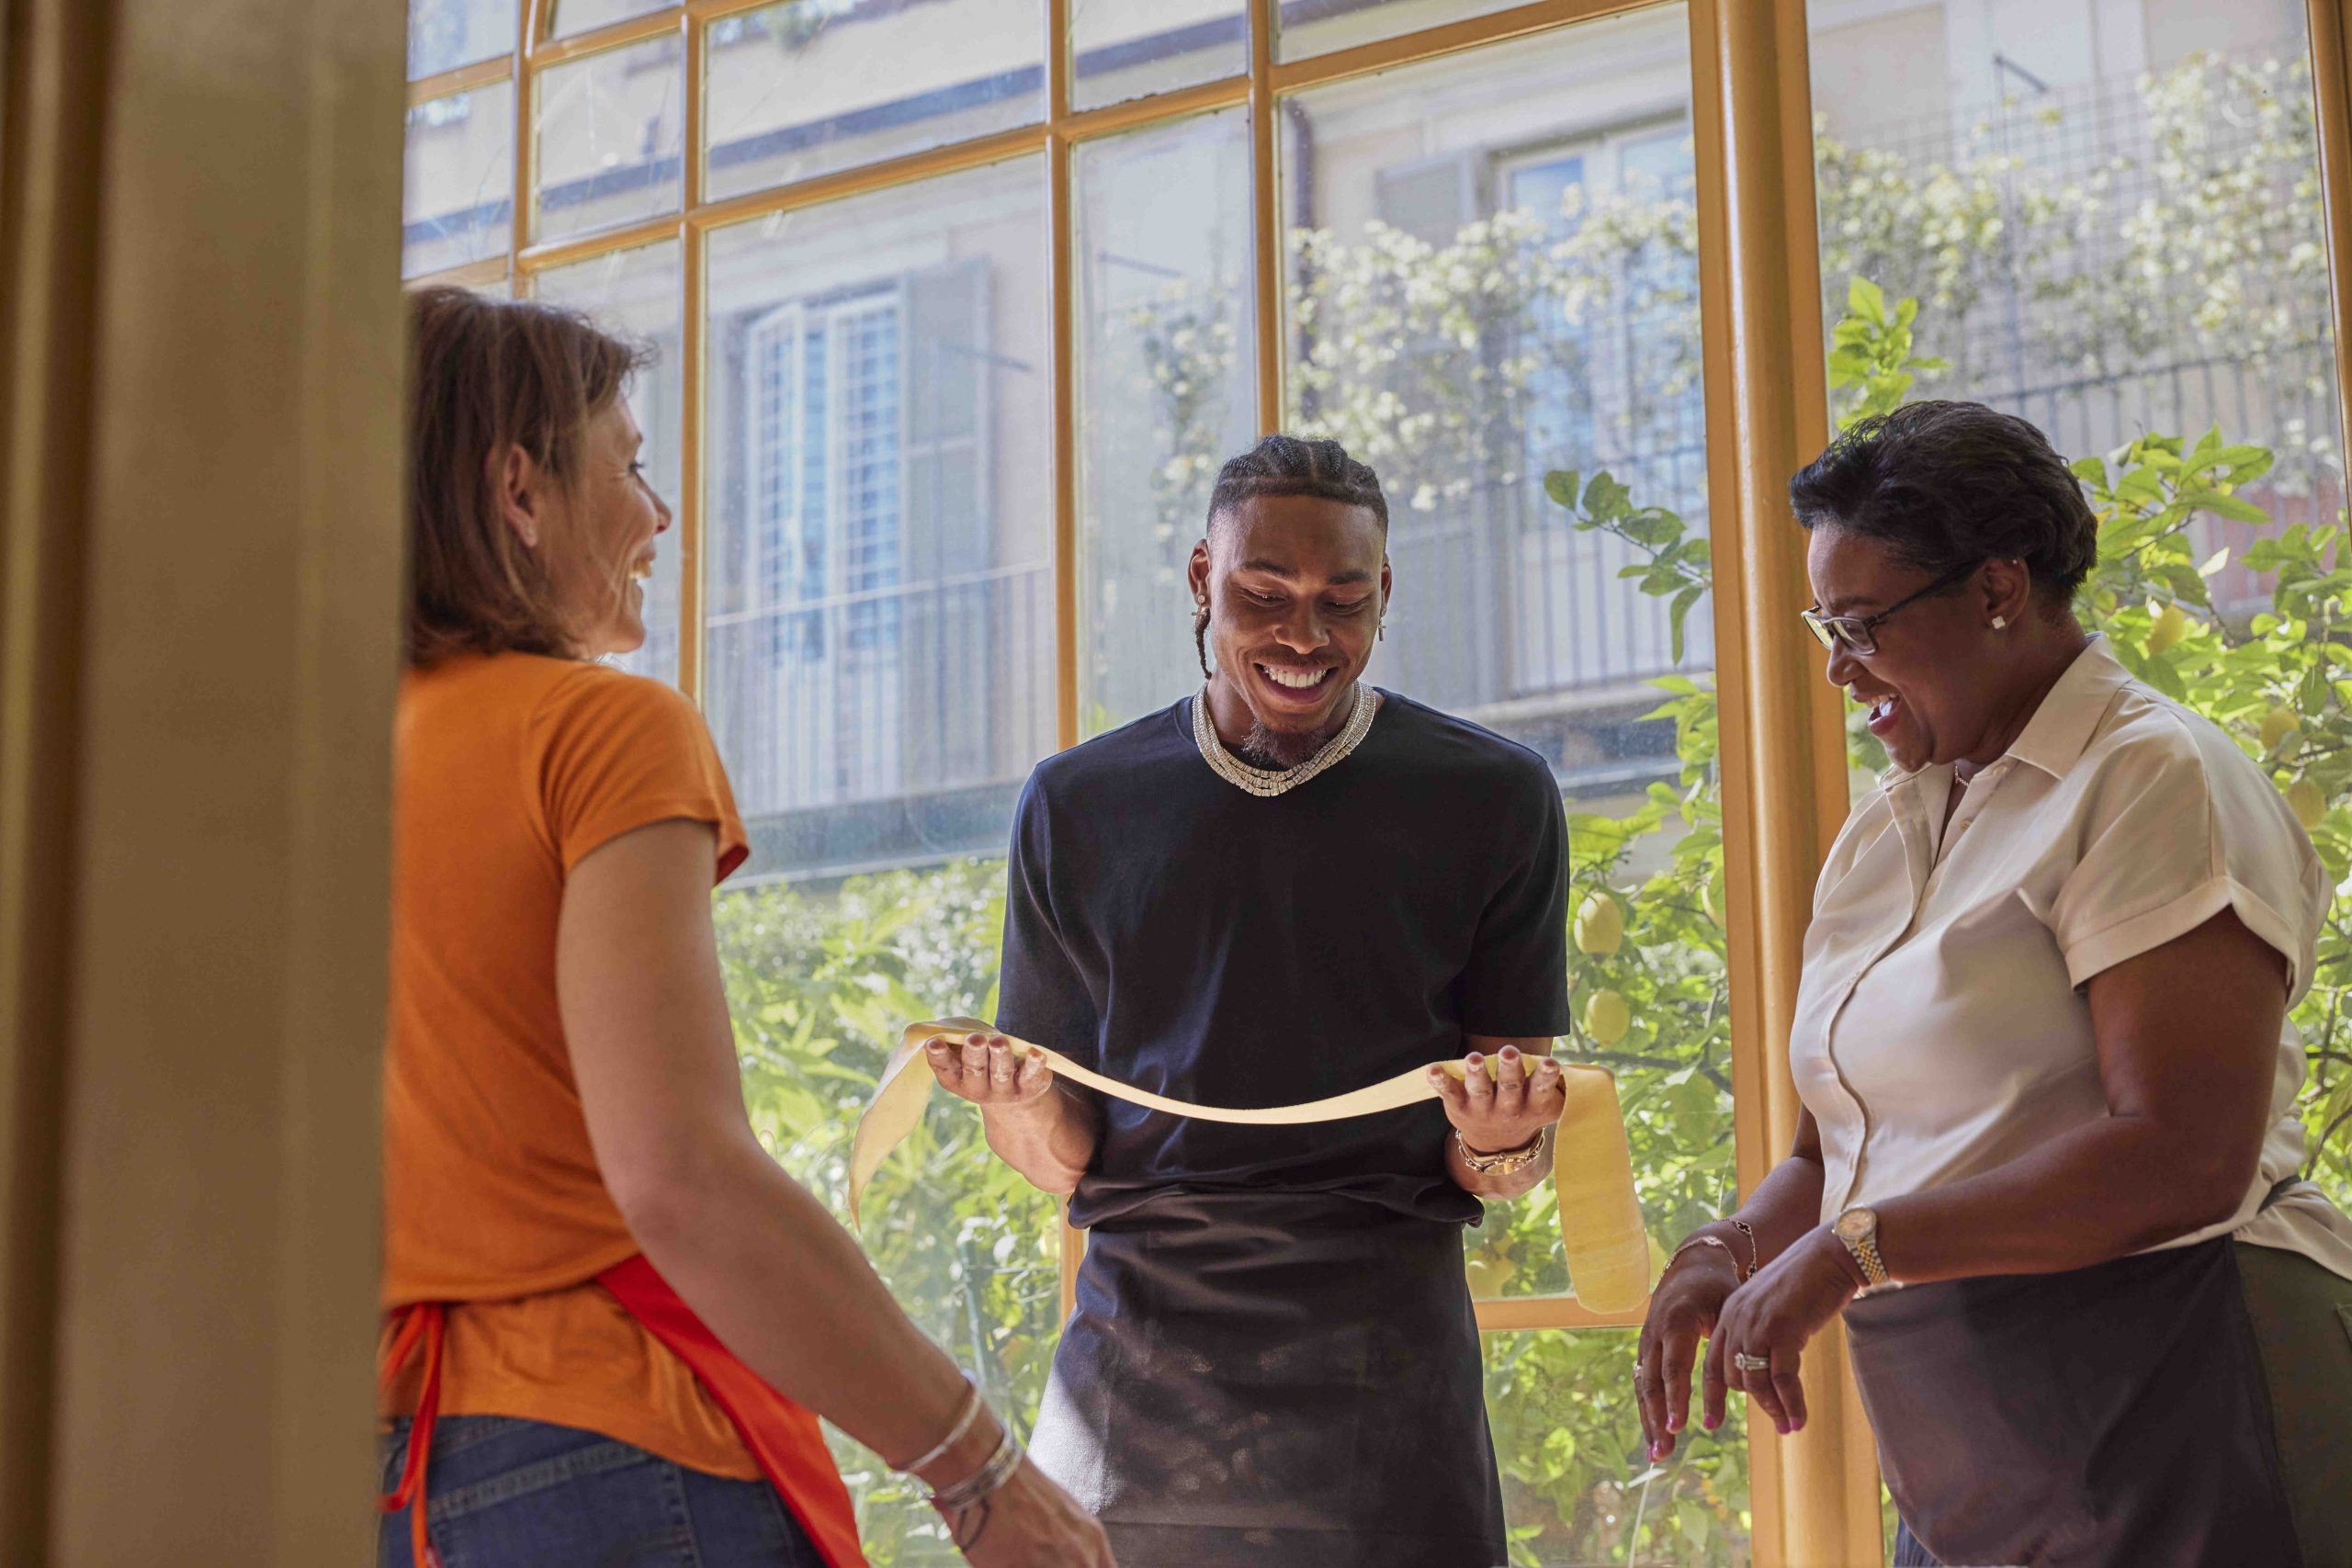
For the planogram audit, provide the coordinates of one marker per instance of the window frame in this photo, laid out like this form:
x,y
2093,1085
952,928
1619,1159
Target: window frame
x,y
1766,409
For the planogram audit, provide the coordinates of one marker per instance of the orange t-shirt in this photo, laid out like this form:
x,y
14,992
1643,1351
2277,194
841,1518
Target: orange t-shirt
x,y
507,770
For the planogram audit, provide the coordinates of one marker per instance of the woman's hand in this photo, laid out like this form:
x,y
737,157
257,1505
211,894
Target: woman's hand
x,y
1771,1318
1683,1310
1029,1522
1504,1111
989,1073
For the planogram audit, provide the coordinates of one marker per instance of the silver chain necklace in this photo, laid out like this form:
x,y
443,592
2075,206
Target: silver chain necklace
x,y
1264,783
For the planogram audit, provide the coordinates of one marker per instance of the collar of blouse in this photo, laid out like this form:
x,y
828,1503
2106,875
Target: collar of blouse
x,y
2054,739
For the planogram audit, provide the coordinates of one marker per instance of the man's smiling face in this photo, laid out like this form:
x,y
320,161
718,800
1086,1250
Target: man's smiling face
x,y
1295,586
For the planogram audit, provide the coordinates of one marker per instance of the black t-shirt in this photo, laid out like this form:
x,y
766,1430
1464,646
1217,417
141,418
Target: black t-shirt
x,y
1181,935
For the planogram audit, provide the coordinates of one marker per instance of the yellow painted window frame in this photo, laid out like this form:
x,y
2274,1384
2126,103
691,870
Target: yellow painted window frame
x,y
1815,1497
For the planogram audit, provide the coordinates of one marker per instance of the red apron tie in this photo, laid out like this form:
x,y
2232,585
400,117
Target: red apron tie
x,y
427,1322
785,1439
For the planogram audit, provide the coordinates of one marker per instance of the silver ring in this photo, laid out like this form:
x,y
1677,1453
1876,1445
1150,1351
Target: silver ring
x,y
1748,1363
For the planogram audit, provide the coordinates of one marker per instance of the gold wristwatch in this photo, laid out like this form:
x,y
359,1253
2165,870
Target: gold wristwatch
x,y
1858,1228
1503,1162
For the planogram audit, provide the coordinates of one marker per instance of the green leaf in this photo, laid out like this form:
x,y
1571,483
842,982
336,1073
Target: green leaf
x,y
1678,611
1605,498
2234,508
2311,692
1564,486
1653,527
1865,298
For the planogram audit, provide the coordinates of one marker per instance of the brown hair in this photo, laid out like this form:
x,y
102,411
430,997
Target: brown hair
x,y
486,375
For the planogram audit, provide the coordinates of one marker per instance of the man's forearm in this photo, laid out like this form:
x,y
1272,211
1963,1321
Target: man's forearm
x,y
1050,1140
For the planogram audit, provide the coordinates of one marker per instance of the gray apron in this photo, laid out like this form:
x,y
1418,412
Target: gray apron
x,y
1258,1378
2114,1416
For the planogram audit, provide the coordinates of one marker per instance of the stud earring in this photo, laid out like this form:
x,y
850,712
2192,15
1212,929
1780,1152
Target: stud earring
x,y
2000,623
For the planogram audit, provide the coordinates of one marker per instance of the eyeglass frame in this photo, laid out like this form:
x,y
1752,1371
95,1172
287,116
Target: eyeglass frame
x,y
1829,630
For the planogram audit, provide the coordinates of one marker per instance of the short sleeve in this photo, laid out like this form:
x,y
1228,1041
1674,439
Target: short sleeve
x,y
1042,994
615,752
1516,983
2173,832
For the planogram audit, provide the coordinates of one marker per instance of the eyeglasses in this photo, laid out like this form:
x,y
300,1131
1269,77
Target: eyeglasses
x,y
1858,634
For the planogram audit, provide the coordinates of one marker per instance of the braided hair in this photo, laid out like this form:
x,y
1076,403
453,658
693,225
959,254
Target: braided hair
x,y
1287,464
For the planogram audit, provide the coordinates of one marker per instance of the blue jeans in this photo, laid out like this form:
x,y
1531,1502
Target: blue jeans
x,y
507,1493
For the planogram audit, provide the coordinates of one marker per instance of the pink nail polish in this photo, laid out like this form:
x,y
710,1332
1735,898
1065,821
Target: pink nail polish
x,y
1784,1427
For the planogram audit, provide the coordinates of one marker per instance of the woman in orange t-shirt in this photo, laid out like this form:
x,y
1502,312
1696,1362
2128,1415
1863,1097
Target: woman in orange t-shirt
x,y
610,1315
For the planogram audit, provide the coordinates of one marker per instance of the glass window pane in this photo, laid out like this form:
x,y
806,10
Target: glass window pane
x,y
445,34
610,130
1578,1486
458,180
1165,392
637,295
1132,49
879,564
805,88
880,647
586,16
1492,278
2116,232
1318,27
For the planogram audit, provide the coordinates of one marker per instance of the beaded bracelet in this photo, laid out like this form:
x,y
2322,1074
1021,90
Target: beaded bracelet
x,y
1754,1251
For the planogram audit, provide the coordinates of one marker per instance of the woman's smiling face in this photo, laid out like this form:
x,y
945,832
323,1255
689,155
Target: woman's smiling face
x,y
1926,687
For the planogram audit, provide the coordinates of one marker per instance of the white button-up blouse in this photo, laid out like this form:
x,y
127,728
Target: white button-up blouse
x,y
1940,1027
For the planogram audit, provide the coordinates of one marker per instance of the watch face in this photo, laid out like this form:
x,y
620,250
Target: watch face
x,y
1856,1223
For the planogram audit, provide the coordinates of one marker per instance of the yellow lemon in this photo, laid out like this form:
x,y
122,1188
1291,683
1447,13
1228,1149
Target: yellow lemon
x,y
1606,1016
2304,797
1490,1274
2279,726
1601,928
2170,627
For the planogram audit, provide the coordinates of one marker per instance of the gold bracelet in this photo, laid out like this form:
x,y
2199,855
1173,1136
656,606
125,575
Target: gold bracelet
x,y
1503,1162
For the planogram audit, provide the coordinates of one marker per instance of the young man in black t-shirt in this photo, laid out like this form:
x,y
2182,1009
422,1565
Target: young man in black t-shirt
x,y
1287,887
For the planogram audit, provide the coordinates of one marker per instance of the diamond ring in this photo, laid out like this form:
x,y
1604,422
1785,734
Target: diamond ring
x,y
1748,1363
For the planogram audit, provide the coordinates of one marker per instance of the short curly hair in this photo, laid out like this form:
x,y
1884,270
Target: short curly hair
x,y
1287,465
1945,485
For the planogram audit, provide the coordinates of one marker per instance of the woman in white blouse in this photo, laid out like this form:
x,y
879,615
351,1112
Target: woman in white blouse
x,y
2047,1163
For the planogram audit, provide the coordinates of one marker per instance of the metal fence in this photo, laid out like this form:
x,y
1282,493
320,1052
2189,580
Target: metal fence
x,y
851,723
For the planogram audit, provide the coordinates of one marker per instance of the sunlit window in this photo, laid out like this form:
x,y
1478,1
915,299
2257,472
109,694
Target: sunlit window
x,y
954,320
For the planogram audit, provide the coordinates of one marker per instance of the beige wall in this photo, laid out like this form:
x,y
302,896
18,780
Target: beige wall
x,y
201,561
1878,63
